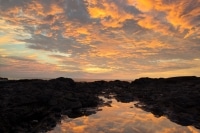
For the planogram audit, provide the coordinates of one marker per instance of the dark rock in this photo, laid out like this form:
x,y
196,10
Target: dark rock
x,y
37,105
175,98
3,79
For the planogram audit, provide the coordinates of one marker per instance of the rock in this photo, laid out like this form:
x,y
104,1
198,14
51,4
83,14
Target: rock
x,y
175,98
3,79
37,105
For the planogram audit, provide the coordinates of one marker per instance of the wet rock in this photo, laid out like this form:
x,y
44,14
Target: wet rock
x,y
176,98
37,105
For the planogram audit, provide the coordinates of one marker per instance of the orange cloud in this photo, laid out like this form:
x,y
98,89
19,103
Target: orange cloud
x,y
116,37
144,5
6,39
109,13
55,9
95,69
180,14
35,8
83,30
15,11
156,44
96,12
154,24
105,52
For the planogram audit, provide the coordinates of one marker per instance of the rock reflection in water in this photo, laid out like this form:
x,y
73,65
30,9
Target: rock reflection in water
x,y
121,118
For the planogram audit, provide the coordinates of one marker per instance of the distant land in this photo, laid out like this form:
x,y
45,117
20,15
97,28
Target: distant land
x,y
75,79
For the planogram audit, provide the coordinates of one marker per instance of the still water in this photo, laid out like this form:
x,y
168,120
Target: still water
x,y
121,118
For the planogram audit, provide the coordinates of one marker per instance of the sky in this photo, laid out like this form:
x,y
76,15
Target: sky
x,y
99,39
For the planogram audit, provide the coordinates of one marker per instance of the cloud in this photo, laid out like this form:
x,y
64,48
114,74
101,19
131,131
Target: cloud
x,y
23,66
64,45
113,37
157,25
5,39
109,13
183,15
44,20
96,69
28,67
76,10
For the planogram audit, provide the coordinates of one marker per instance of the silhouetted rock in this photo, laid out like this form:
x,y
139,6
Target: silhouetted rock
x,y
37,105
3,79
176,98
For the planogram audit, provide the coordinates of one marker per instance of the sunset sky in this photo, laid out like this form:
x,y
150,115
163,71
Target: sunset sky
x,y
99,39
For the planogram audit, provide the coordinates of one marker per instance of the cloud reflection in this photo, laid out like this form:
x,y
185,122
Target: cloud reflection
x,y
120,118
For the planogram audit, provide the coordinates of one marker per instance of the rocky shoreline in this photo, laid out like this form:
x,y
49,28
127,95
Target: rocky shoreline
x,y
38,105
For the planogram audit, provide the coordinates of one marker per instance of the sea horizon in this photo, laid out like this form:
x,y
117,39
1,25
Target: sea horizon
x,y
75,79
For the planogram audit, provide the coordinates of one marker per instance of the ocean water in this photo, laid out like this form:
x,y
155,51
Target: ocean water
x,y
120,118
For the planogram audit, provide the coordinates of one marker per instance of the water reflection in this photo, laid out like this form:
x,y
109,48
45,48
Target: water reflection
x,y
121,118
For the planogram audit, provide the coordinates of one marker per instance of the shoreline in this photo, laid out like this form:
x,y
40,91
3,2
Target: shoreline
x,y
35,105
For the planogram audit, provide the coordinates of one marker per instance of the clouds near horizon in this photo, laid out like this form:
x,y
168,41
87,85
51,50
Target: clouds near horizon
x,y
100,38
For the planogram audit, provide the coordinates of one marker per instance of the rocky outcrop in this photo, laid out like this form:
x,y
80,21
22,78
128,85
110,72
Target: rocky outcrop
x,y
176,98
3,79
37,105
